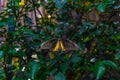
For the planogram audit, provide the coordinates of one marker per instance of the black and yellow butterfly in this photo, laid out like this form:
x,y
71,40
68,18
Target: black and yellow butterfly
x,y
58,44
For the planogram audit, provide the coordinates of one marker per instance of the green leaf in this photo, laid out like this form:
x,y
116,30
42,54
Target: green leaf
x,y
102,6
17,78
2,24
88,68
4,21
49,28
64,67
12,51
83,29
76,59
34,67
1,54
110,63
114,47
35,45
2,74
60,76
58,32
59,3
28,34
86,39
117,37
26,31
117,56
99,70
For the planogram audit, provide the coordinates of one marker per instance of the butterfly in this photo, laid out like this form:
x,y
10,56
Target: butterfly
x,y
58,44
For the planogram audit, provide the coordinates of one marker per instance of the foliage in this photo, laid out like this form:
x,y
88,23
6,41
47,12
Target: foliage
x,y
82,21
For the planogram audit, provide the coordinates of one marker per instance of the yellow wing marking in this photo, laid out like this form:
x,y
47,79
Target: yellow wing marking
x,y
57,46
63,48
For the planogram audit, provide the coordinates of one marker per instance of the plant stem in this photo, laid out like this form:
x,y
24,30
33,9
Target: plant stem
x,y
35,13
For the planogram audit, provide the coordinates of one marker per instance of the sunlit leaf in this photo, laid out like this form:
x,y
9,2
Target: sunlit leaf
x,y
34,67
110,63
99,70
102,7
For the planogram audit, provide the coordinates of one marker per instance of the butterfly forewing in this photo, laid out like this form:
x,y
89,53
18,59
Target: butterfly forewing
x,y
49,44
69,45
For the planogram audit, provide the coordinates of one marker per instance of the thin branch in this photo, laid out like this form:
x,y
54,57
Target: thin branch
x,y
14,9
34,12
18,15
40,14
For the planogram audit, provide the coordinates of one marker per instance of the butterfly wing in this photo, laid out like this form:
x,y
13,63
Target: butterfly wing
x,y
69,45
49,44
66,44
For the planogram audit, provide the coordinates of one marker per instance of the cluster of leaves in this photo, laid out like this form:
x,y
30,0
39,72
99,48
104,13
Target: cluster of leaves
x,y
98,39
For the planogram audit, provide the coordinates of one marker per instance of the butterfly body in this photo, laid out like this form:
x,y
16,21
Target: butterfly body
x,y
58,44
